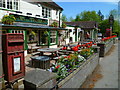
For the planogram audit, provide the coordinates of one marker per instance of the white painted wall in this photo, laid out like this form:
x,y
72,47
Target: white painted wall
x,y
26,7
72,35
53,46
55,16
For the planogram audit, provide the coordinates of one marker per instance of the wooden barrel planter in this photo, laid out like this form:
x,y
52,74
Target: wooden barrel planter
x,y
105,47
77,77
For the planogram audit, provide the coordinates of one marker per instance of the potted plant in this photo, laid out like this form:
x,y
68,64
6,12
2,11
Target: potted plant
x,y
54,24
8,19
64,25
45,34
32,36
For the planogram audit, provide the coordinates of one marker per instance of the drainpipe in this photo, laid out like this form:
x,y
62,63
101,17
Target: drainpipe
x,y
59,18
48,38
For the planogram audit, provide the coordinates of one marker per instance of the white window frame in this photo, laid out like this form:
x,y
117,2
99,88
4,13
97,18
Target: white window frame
x,y
10,6
46,12
53,35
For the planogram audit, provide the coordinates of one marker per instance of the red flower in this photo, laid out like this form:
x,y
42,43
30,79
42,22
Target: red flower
x,y
91,42
103,39
68,56
95,44
75,48
64,48
57,66
78,45
65,56
88,46
83,45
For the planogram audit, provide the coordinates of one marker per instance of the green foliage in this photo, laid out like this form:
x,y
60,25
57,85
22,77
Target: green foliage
x,y
116,26
64,18
77,18
64,25
54,24
87,16
114,12
8,19
65,65
71,19
61,70
101,15
90,16
103,25
45,34
87,52
33,33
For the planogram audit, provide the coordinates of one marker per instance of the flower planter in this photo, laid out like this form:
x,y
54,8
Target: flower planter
x,y
105,47
114,40
78,76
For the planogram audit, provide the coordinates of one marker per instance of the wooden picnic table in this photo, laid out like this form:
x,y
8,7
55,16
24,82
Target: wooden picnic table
x,y
49,50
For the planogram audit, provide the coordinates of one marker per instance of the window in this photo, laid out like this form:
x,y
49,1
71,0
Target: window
x,y
3,3
43,38
0,3
53,37
67,34
17,31
46,12
9,4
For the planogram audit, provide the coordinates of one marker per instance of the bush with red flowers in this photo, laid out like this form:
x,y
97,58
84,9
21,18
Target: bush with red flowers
x,y
64,48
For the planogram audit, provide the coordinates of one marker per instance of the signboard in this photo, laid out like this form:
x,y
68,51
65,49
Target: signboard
x,y
16,62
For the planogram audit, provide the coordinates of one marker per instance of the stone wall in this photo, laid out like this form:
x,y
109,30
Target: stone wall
x,y
104,48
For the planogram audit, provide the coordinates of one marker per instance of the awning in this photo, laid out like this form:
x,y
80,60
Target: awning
x,y
27,26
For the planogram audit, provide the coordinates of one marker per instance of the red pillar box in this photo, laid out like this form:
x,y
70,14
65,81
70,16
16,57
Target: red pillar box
x,y
13,56
108,32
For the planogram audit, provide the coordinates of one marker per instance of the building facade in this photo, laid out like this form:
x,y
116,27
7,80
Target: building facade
x,y
83,30
33,19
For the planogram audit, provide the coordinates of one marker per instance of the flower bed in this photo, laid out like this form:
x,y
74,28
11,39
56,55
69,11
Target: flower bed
x,y
105,45
78,76
73,70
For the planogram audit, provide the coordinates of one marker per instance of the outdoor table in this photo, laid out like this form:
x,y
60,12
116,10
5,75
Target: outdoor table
x,y
85,42
49,50
42,62
66,52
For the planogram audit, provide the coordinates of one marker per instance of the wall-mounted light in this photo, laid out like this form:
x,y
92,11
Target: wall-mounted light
x,y
39,5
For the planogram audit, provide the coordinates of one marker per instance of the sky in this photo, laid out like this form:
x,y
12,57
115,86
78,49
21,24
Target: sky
x,y
71,9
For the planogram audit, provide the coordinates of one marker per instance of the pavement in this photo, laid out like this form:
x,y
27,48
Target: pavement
x,y
109,69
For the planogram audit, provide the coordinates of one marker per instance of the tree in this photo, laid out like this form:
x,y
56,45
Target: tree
x,y
64,18
90,16
71,19
103,25
101,15
77,17
116,27
114,12
116,24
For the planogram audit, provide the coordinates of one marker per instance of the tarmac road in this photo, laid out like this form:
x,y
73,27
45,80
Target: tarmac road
x,y
109,69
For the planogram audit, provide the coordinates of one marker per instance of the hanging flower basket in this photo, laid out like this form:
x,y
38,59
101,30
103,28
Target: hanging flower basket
x,y
45,34
8,19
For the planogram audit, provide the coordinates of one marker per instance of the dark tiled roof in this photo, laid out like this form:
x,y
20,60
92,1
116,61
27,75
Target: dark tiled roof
x,y
83,24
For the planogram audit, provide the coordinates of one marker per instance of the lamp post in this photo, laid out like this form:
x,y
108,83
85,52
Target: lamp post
x,y
111,22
